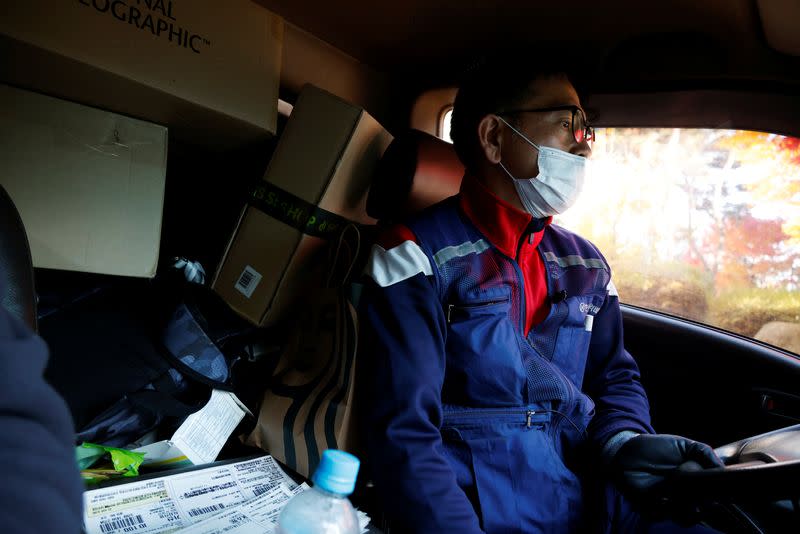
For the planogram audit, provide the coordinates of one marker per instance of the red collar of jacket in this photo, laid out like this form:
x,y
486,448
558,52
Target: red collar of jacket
x,y
498,220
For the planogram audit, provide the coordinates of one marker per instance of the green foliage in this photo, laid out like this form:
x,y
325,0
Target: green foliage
x,y
745,311
685,292
671,288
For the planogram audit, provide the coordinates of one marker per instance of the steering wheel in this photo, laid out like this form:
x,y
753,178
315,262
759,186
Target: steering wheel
x,y
763,467
761,471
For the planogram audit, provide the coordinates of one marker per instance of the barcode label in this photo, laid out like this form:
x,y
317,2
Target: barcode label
x,y
206,510
248,281
122,523
260,490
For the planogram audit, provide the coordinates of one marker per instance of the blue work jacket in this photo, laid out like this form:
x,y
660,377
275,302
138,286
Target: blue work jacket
x,y
476,425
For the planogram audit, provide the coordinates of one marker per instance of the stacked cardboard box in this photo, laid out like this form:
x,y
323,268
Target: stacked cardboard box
x,y
89,184
315,185
208,70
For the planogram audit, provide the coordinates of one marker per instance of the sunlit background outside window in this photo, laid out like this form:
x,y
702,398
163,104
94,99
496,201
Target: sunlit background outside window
x,y
700,223
445,125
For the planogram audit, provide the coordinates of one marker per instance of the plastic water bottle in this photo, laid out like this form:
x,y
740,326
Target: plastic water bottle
x,y
324,509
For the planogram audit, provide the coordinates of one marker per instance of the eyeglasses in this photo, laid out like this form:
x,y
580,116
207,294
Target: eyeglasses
x,y
581,131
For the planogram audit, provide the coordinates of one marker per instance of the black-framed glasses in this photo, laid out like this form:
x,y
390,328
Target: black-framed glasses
x,y
581,130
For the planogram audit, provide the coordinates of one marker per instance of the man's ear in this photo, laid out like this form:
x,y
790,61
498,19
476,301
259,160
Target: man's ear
x,y
490,138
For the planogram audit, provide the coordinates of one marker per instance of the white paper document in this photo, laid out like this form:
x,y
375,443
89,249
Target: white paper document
x,y
204,433
201,436
257,516
168,503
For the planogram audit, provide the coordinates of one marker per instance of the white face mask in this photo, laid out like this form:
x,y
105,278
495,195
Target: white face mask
x,y
558,184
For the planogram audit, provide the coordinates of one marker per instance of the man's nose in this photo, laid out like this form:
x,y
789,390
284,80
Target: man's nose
x,y
582,149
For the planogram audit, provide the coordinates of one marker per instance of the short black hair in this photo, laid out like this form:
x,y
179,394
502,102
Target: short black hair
x,y
495,84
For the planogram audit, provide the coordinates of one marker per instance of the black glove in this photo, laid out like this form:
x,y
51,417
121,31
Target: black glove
x,y
645,460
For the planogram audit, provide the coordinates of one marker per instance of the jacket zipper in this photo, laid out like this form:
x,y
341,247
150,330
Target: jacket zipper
x,y
566,382
529,414
523,305
451,307
523,310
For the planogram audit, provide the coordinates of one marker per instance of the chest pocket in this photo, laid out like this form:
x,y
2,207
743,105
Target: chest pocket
x,y
476,309
575,333
483,356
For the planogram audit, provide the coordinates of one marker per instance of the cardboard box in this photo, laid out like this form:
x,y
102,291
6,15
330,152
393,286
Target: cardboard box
x,y
209,70
89,184
316,182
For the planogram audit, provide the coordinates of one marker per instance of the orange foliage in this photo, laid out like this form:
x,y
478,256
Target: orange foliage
x,y
791,146
758,147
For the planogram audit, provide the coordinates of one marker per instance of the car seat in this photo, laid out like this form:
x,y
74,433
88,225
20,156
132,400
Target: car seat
x,y
16,268
417,170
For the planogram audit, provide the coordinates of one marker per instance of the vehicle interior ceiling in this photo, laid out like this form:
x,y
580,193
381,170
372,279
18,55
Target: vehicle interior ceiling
x,y
680,63
685,63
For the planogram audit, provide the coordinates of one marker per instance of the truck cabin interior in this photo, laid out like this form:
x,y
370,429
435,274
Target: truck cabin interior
x,y
676,65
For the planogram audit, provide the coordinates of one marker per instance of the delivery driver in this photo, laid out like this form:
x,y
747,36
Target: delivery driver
x,y
497,338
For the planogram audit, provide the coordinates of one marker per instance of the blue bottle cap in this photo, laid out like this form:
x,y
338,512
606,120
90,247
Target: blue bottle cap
x,y
337,472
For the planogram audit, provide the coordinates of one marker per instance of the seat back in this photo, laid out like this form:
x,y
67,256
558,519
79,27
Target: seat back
x,y
16,268
417,170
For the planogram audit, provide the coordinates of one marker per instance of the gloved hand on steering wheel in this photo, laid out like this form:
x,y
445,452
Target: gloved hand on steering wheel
x,y
644,460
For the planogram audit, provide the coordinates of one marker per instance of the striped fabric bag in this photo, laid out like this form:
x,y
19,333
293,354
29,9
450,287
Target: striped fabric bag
x,y
309,405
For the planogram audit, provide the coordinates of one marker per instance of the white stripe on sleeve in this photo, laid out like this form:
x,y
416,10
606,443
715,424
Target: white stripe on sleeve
x,y
388,267
612,289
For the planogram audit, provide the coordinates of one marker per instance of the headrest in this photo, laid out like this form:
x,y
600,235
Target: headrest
x,y
416,171
17,292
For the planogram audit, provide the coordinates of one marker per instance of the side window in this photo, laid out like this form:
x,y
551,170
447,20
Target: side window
x,y
444,125
700,223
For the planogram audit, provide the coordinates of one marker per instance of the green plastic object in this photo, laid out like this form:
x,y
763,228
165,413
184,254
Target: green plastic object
x,y
125,463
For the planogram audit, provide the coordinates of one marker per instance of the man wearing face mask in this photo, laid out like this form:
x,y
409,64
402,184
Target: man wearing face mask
x,y
496,338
